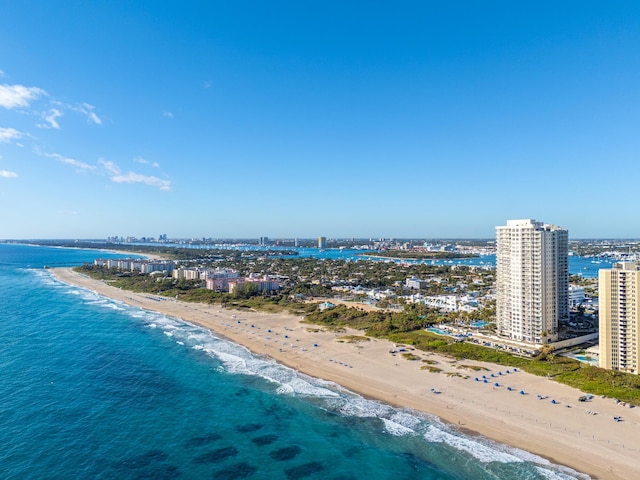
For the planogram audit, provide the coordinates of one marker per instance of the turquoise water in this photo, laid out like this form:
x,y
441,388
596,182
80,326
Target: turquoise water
x,y
92,388
583,358
438,331
479,324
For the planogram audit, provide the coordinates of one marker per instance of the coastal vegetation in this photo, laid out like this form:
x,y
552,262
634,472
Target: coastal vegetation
x,y
410,356
431,369
353,339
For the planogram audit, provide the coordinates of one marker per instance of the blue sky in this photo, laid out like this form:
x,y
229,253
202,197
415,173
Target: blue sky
x,y
296,119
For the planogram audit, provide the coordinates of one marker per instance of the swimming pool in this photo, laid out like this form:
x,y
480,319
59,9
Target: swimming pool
x,y
479,324
584,359
438,331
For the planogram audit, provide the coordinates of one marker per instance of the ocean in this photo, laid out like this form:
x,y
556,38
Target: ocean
x,y
94,389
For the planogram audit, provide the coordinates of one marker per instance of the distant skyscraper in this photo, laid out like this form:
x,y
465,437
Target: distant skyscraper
x,y
264,241
532,280
619,304
322,242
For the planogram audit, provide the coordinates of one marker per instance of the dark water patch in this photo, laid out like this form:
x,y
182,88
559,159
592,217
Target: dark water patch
x,y
143,460
217,455
203,440
249,427
304,470
126,380
344,477
159,472
352,451
236,471
265,439
242,393
150,464
286,453
416,462
279,412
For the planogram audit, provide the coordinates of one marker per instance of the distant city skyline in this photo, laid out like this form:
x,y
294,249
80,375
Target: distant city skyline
x,y
294,120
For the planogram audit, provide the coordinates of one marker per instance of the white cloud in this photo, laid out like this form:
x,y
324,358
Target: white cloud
x,y
91,115
132,177
70,161
8,134
12,96
167,114
8,174
144,161
117,176
50,117
111,167
1,73
85,109
112,170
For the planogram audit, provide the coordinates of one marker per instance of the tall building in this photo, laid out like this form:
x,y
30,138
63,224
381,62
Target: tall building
x,y
532,280
619,301
322,242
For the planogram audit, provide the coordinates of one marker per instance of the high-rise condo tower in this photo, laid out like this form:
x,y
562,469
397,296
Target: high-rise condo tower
x,y
619,304
532,280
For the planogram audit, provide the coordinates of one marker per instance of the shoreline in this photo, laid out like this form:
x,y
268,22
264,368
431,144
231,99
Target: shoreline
x,y
563,432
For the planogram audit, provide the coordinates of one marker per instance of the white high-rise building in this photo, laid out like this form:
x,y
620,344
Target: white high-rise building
x,y
532,280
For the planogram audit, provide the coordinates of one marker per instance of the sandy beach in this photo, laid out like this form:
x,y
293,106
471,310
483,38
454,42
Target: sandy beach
x,y
583,436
